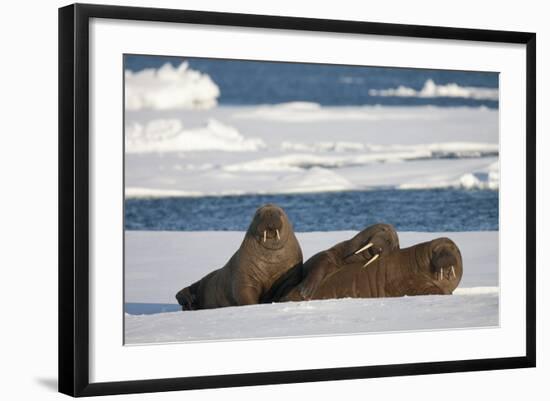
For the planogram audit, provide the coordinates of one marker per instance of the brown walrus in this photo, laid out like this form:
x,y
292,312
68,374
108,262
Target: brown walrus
x,y
433,267
364,248
269,249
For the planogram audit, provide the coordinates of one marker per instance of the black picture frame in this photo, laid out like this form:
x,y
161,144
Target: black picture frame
x,y
74,198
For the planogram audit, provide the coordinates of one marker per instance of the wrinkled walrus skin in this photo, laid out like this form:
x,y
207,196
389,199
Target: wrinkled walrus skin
x,y
433,267
269,249
365,247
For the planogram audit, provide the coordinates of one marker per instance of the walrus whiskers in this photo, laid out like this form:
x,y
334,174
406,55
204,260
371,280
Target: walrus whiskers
x,y
371,260
278,236
364,248
265,235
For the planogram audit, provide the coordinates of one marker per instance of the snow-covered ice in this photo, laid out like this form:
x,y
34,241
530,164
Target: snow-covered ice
x,y
158,264
327,317
169,135
303,147
431,89
169,87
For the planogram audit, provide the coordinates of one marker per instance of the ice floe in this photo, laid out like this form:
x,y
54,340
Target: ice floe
x,y
431,90
169,87
168,135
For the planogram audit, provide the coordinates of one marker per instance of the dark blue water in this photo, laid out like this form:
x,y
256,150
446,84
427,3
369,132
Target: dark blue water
x,y
408,210
254,82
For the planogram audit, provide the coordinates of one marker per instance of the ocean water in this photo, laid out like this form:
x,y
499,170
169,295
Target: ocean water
x,y
432,210
253,82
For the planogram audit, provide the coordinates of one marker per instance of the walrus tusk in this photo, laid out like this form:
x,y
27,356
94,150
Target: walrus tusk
x,y
371,260
440,274
362,249
265,235
278,236
453,270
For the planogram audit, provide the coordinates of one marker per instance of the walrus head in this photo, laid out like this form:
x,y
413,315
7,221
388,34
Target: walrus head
x,y
270,227
429,268
445,264
371,243
187,298
433,267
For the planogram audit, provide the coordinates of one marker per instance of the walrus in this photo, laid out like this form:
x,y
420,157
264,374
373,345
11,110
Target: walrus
x,y
365,248
269,249
433,267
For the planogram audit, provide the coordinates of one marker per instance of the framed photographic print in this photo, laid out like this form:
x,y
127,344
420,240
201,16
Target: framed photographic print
x,y
292,197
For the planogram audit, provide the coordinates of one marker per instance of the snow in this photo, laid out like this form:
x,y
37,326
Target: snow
x,y
158,264
166,175
378,154
431,150
169,88
169,136
431,90
340,146
342,316
308,112
308,148
486,177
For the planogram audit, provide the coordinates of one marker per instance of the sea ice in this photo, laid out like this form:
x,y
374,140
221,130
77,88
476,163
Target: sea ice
x,y
158,264
431,89
169,88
